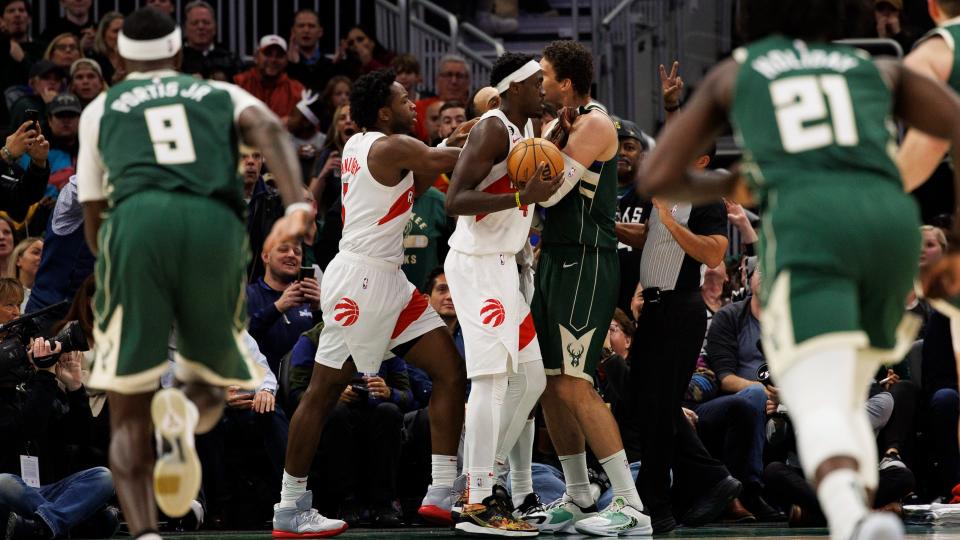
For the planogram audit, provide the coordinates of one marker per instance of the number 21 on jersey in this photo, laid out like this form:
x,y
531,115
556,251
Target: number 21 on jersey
x,y
170,134
803,118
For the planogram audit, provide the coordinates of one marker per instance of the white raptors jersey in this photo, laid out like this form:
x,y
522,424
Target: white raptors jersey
x,y
373,214
500,232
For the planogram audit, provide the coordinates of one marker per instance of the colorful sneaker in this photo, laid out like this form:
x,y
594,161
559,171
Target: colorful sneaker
x,y
437,504
303,521
176,473
460,488
492,517
620,518
531,510
563,513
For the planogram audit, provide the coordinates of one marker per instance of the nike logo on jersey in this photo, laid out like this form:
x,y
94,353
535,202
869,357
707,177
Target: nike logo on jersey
x,y
569,265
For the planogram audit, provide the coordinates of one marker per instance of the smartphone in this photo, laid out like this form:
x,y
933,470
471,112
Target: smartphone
x,y
307,272
34,116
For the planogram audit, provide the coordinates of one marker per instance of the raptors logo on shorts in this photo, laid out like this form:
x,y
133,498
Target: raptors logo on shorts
x,y
492,312
347,312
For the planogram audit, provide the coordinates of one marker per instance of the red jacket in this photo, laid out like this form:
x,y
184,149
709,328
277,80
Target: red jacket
x,y
281,97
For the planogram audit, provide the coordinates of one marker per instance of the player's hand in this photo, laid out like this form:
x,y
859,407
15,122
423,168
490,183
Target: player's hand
x,y
291,297
238,399
561,130
69,371
539,188
348,395
378,387
942,279
39,150
459,135
289,229
310,290
263,402
671,85
631,234
20,141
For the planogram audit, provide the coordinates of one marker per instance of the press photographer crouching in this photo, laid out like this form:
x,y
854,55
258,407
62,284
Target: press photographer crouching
x,y
45,425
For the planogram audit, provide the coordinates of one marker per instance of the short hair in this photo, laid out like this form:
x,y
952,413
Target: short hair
x,y
625,322
453,104
506,64
452,58
573,61
951,8
311,12
431,281
147,23
5,3
198,4
938,232
405,63
369,94
809,20
11,289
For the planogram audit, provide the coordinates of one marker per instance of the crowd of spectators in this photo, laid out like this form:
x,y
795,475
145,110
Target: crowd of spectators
x,y
682,354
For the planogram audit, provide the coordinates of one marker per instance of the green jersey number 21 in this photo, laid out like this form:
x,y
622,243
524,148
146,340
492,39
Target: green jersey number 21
x,y
170,134
803,118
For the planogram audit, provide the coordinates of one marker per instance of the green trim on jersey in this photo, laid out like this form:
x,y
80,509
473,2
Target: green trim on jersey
x,y
831,122
170,133
586,217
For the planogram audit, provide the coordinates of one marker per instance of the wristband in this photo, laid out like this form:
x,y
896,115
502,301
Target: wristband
x,y
7,155
295,207
672,109
518,199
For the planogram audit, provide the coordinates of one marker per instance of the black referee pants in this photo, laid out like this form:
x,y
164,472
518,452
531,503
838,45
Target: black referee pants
x,y
663,356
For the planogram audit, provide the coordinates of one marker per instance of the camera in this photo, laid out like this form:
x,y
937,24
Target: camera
x,y
14,361
763,375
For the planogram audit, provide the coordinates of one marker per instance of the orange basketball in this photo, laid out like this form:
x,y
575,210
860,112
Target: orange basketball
x,y
523,160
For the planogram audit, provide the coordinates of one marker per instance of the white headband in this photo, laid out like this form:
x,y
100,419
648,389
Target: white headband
x,y
149,49
308,98
519,75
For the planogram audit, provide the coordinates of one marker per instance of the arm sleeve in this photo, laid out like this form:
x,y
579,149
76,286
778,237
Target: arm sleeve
x,y
573,171
91,173
708,220
722,344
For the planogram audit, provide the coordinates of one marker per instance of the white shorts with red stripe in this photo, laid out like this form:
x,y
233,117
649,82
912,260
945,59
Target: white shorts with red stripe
x,y
369,308
498,331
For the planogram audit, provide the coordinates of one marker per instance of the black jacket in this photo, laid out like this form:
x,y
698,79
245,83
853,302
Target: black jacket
x,y
723,338
19,189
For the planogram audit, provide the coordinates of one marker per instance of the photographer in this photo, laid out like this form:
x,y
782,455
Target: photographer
x,y
44,417
19,188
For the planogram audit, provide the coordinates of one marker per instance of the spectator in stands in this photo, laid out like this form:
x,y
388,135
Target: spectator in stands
x,y
63,117
46,80
433,123
487,98
19,188
335,94
165,6
78,21
887,16
7,243
636,302
425,237
200,54
734,355
939,382
307,63
281,306
15,59
267,80
104,49
23,264
361,53
407,68
251,163
632,211
452,83
63,50
303,125
86,80
11,295
613,370
452,114
325,183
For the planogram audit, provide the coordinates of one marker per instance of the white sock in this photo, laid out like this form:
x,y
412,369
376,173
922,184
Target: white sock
x,y
843,500
621,478
291,489
577,479
443,470
521,457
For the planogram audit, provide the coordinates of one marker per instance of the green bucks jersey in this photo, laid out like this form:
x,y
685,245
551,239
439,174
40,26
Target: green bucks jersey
x,y
586,215
163,131
950,32
812,113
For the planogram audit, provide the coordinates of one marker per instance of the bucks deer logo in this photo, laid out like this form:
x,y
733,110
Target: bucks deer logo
x,y
347,312
492,313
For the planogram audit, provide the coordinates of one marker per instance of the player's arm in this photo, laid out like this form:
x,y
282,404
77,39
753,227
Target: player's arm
x,y
590,136
91,191
405,153
921,153
488,145
665,172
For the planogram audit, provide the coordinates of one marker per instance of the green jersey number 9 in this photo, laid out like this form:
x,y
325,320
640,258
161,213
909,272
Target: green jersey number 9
x,y
170,134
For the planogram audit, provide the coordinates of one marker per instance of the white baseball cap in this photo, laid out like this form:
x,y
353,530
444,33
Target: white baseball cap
x,y
273,39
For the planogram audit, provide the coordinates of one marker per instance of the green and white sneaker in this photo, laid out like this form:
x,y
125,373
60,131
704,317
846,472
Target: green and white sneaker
x,y
561,515
620,518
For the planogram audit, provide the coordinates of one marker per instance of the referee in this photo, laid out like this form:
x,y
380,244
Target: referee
x,y
680,240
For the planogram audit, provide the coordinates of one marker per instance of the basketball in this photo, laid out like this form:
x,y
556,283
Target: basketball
x,y
523,160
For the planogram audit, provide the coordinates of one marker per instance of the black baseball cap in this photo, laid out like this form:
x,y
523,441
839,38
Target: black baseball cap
x,y
64,103
628,130
42,67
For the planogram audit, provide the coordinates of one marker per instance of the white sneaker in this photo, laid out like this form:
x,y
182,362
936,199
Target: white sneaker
x,y
303,521
879,526
531,510
563,513
177,473
618,519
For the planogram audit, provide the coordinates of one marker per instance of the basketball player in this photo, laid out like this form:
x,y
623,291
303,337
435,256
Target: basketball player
x,y
502,355
814,119
370,310
574,301
158,155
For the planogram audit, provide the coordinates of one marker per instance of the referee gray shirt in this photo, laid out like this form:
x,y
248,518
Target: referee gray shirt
x,y
664,264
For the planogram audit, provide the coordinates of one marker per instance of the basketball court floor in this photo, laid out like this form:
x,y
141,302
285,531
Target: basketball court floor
x,y
752,532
